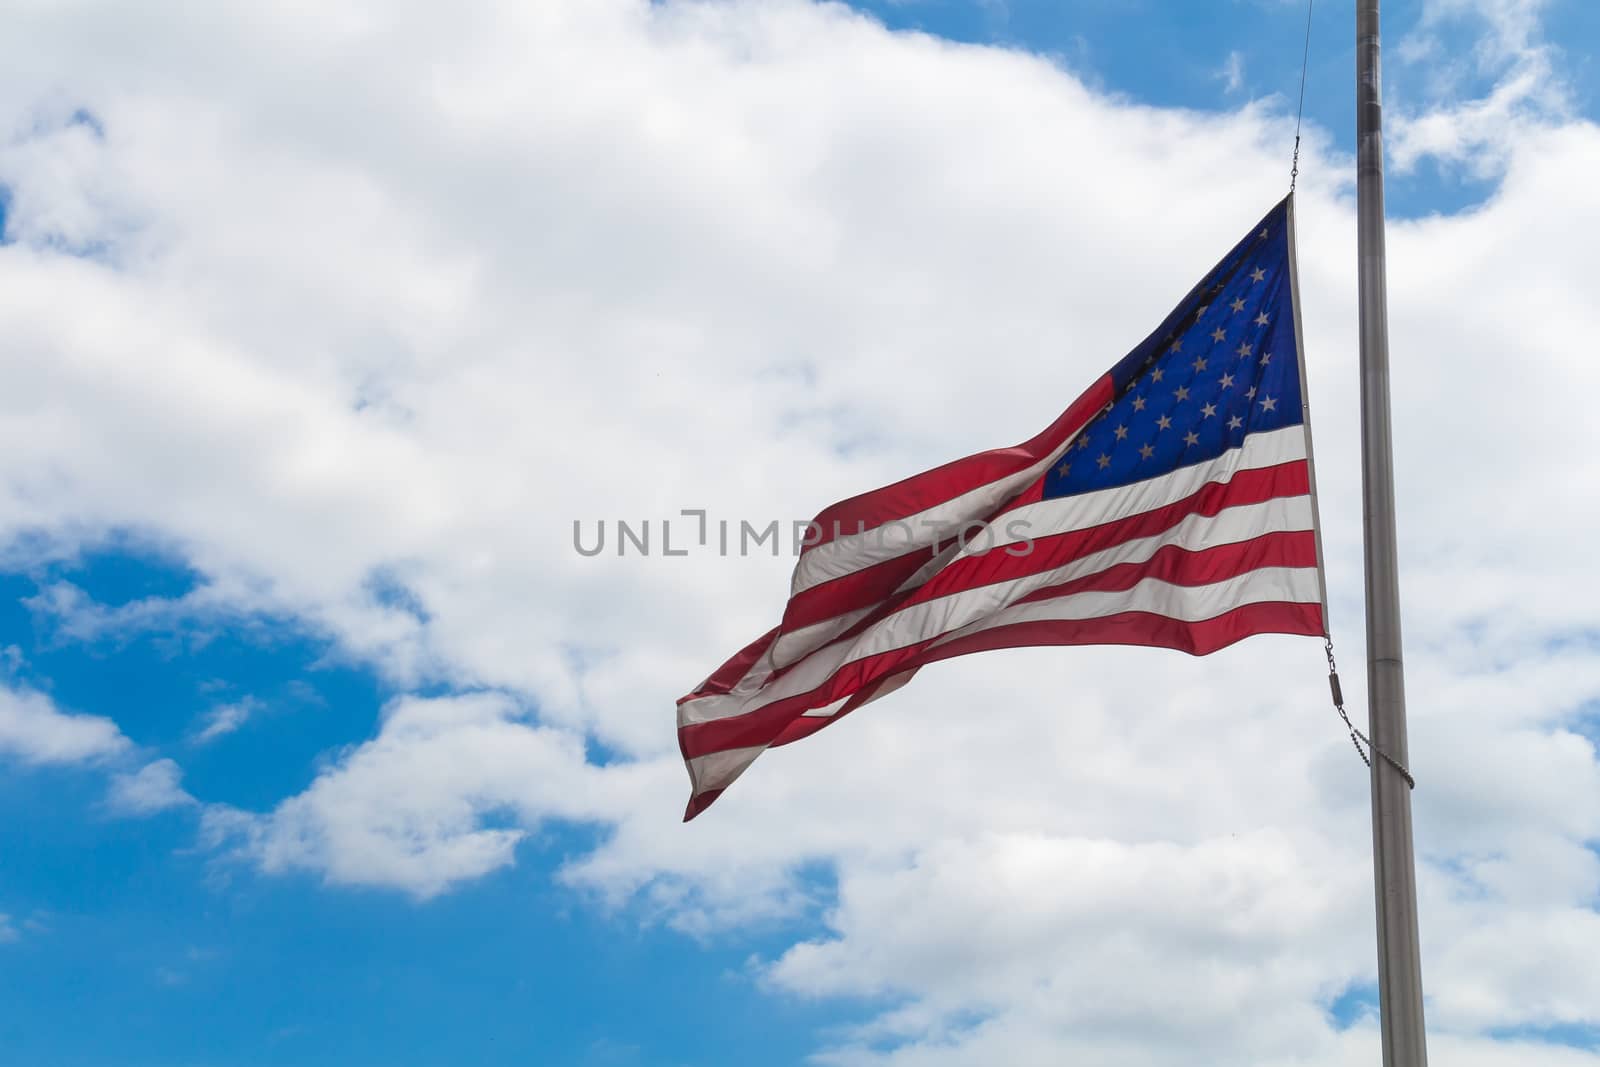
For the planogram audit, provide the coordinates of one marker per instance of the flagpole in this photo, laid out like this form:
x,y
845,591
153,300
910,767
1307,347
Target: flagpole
x,y
1399,959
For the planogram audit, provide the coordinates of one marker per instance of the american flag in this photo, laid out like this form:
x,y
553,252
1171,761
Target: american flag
x,y
1171,504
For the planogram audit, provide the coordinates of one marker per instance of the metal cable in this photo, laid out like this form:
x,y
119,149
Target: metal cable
x,y
1305,61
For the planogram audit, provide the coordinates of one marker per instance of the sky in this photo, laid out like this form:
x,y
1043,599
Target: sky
x,y
325,328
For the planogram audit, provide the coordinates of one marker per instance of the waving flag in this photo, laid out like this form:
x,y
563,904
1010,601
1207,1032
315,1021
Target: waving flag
x,y
1170,505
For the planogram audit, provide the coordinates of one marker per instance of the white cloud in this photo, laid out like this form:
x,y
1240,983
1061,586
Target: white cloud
x,y
224,719
152,788
1082,932
33,730
362,342
1232,72
73,616
1478,133
409,808
8,931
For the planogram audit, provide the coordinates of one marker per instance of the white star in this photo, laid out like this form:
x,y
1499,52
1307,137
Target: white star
x,y
1122,433
1104,461
1191,438
1145,451
1208,411
1156,375
1250,393
1163,423
1263,231
1200,364
1261,319
1217,334
1201,310
1138,403
1238,304
1235,422
1183,392
1266,357
1244,349
1177,346
1258,275
1268,404
1227,381
1064,469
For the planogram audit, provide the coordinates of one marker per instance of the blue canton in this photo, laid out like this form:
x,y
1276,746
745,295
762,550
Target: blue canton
x,y
1222,366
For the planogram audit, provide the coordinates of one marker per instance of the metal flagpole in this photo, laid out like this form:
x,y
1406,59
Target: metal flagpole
x,y
1399,963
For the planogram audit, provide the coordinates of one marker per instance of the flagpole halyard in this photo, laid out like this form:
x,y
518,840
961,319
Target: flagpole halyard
x,y
1300,110
1394,869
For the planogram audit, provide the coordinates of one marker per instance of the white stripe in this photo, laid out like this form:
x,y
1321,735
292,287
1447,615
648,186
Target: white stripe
x,y
797,645
792,648
717,770
725,705
850,552
827,711
1065,514
930,619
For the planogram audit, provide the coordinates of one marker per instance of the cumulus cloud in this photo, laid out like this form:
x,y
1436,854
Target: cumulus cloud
x,y
381,305
152,788
1511,65
409,808
34,730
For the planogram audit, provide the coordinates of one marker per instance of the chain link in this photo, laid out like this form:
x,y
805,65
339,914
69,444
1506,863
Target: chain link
x,y
1357,738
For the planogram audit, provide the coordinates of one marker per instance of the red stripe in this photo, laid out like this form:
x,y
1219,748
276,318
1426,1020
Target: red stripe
x,y
700,802
871,585
1180,566
922,491
803,727
1143,628
864,588
725,677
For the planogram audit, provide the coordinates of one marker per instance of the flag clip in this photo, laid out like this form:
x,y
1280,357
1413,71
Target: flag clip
x,y
1357,738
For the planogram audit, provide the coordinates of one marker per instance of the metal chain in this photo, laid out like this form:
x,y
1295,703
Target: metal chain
x,y
1357,738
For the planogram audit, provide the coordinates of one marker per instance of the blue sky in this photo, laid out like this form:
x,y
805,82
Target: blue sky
x,y
1177,55
182,962
183,887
